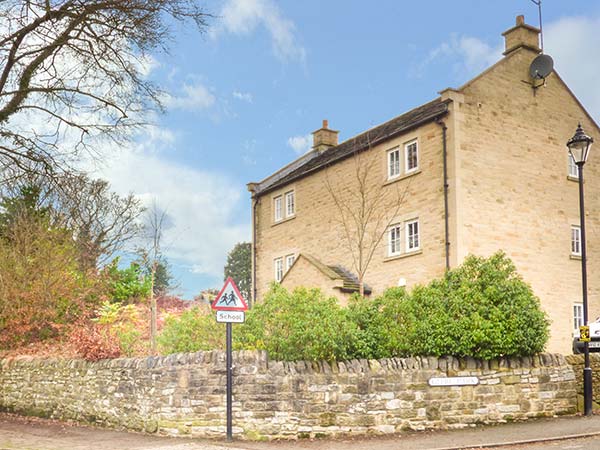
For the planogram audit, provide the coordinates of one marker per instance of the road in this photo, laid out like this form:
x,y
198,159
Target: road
x,y
37,434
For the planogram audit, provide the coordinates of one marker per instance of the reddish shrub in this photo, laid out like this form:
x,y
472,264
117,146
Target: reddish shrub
x,y
93,342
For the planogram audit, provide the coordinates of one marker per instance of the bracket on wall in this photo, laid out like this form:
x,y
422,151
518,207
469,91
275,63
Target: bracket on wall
x,y
535,84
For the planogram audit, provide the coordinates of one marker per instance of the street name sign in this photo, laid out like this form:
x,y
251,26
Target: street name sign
x,y
453,381
231,316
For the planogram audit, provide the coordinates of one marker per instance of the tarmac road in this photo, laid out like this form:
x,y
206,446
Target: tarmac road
x,y
38,434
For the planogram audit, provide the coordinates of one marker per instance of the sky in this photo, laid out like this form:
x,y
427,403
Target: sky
x,y
243,97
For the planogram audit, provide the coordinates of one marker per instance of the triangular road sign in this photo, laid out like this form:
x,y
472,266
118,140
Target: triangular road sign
x,y
229,299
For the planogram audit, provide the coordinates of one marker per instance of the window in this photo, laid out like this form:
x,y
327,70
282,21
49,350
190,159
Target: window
x,y
278,269
289,260
290,204
411,153
573,169
577,317
394,240
393,163
278,208
575,240
412,236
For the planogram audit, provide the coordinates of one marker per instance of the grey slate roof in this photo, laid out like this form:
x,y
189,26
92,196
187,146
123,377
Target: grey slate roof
x,y
314,161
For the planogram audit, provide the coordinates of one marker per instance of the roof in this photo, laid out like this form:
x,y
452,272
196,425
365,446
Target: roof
x,y
335,272
314,161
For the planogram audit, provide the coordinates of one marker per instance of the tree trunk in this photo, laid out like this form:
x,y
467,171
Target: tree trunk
x,y
153,316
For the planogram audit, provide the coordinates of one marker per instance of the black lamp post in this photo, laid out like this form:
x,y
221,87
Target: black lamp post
x,y
579,148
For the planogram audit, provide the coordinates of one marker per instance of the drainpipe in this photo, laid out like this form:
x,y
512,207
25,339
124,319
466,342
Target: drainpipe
x,y
254,290
445,158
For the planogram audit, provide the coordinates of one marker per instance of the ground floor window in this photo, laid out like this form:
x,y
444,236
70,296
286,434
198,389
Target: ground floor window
x,y
278,262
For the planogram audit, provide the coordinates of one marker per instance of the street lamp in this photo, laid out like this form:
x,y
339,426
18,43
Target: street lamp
x,y
579,149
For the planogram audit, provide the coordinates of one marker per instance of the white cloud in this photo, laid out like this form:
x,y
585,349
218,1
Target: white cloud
x,y
471,55
244,96
300,144
573,43
201,205
244,16
193,97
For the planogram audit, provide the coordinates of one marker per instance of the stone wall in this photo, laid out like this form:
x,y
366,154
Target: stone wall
x,y
184,394
577,362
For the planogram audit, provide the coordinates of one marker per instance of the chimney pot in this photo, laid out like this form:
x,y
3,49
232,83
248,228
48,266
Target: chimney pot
x,y
324,138
521,35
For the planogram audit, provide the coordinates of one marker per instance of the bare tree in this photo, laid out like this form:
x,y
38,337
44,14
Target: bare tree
x,y
101,221
156,221
72,71
365,208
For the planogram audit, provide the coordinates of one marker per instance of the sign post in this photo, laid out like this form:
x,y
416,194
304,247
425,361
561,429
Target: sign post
x,y
230,307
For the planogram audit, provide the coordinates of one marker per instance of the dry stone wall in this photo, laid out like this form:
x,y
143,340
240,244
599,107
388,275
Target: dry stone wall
x,y
184,394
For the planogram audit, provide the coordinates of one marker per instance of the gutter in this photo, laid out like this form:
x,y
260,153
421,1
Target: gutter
x,y
442,124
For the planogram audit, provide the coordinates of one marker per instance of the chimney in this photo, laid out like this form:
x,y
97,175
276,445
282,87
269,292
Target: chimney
x,y
324,138
521,35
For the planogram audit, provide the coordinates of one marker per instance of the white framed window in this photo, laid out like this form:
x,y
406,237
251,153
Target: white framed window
x,y
573,169
413,241
411,156
290,204
289,260
577,317
575,240
394,240
393,163
278,262
278,208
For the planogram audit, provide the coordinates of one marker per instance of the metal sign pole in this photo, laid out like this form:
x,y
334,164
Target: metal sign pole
x,y
229,384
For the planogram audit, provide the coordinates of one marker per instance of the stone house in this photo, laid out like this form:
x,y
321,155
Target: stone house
x,y
480,168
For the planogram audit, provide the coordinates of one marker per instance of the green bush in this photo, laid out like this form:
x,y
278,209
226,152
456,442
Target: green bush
x,y
301,325
481,309
194,330
382,323
129,284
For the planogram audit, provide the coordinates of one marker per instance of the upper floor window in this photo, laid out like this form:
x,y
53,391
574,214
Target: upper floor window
x,y
278,208
411,152
575,240
394,240
411,239
289,260
412,235
290,204
394,163
278,269
573,169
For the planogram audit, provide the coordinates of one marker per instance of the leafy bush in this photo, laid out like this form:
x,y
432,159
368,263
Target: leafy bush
x,y
481,309
302,325
382,323
123,322
42,288
129,284
195,329
93,341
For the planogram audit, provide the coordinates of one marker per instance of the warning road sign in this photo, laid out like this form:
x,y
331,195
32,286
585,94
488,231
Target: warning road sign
x,y
229,299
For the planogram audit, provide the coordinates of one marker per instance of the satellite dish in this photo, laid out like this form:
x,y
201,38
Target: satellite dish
x,y
541,67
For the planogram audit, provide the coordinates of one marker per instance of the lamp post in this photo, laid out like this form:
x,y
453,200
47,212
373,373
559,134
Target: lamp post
x,y
579,149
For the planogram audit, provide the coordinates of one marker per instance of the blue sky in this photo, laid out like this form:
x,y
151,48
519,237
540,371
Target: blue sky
x,y
242,99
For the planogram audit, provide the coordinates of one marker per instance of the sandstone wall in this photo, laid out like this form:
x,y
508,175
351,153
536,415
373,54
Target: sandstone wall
x,y
184,394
